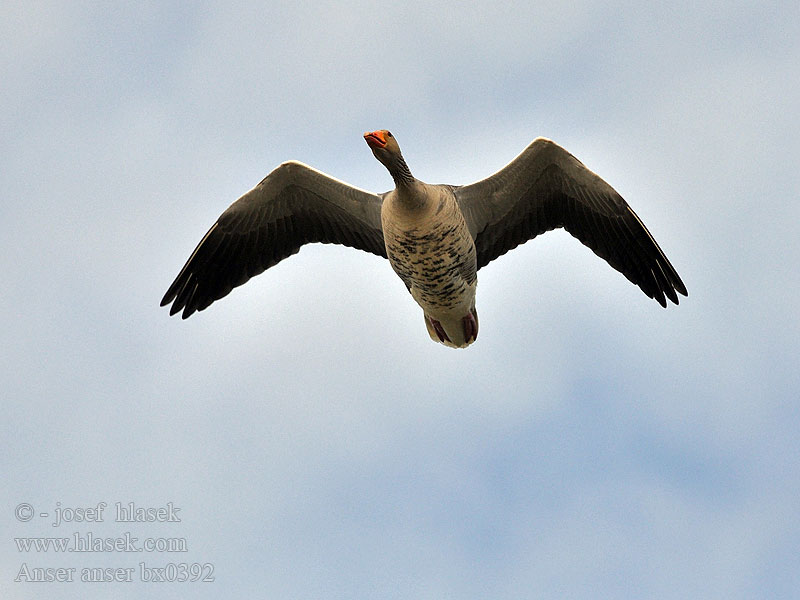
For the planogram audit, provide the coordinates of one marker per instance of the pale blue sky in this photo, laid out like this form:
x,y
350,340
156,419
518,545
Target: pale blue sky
x,y
319,445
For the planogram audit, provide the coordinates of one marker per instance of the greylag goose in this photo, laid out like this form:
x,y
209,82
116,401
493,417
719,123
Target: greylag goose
x,y
436,237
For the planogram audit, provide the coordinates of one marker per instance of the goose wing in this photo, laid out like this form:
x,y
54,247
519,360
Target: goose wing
x,y
546,187
292,206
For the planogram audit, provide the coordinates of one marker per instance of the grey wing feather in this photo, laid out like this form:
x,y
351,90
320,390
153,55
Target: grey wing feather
x,y
292,206
546,187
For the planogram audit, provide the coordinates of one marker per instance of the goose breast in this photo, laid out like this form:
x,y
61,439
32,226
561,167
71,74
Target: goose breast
x,y
432,250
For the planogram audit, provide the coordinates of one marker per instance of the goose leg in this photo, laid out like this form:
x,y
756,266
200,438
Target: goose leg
x,y
470,328
440,332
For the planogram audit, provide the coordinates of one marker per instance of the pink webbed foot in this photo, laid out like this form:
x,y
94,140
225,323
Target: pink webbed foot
x,y
470,328
440,332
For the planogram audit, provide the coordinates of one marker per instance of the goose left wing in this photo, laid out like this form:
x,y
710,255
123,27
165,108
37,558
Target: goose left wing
x,y
546,187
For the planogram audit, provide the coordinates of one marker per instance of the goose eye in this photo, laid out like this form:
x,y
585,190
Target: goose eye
x,y
389,134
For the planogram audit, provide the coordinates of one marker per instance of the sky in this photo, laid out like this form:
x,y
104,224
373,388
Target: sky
x,y
304,438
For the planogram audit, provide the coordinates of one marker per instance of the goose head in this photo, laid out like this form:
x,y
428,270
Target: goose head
x,y
386,149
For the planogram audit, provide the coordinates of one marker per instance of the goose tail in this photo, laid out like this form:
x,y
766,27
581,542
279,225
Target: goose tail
x,y
453,331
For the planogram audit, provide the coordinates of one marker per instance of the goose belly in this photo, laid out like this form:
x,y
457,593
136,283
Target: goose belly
x,y
438,266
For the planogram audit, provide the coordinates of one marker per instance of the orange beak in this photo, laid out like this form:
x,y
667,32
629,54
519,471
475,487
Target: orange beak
x,y
375,139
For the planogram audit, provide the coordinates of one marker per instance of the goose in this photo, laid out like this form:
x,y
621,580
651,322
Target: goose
x,y
436,237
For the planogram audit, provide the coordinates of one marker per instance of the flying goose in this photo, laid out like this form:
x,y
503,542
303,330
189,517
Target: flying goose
x,y
436,237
